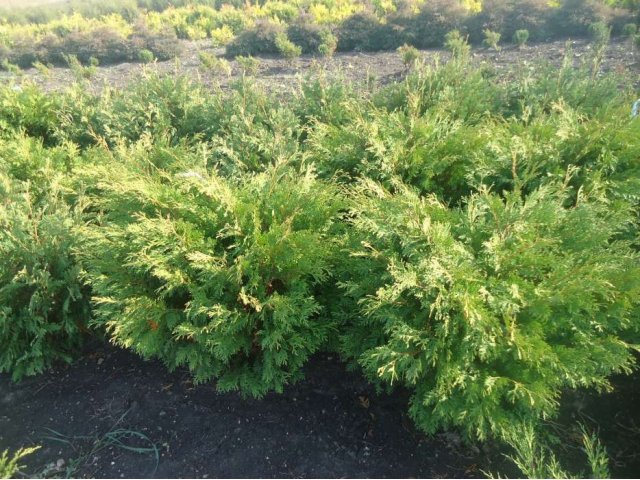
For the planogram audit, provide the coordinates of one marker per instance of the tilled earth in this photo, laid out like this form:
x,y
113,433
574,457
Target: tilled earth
x,y
113,415
381,67
332,424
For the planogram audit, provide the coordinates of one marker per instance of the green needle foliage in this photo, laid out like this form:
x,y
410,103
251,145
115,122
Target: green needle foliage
x,y
212,274
9,465
520,37
536,460
488,311
43,304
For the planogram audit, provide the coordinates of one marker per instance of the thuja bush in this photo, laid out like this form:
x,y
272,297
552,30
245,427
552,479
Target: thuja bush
x,y
43,304
307,35
27,108
364,31
488,311
260,39
427,28
155,105
216,275
425,151
508,16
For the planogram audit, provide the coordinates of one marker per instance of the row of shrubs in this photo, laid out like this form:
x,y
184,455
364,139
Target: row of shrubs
x,y
428,28
104,44
276,27
129,9
473,241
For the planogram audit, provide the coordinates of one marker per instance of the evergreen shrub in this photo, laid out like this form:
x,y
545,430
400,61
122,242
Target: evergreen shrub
x,y
470,240
488,311
520,37
307,35
215,275
44,306
258,40
428,28
364,32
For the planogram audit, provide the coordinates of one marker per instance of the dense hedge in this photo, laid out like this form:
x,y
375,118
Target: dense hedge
x,y
44,305
104,44
118,33
473,241
366,30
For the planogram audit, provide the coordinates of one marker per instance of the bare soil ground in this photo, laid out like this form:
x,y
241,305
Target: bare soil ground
x,y
383,67
113,415
330,425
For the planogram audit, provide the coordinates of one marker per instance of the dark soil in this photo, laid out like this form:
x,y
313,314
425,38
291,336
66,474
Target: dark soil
x,y
330,425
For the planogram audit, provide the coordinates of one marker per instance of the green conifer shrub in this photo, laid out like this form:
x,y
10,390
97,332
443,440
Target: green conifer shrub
x,y
520,37
491,39
146,56
427,28
44,305
307,35
472,240
216,275
210,61
286,47
630,30
409,55
535,459
457,45
363,31
328,44
249,65
28,108
258,40
488,311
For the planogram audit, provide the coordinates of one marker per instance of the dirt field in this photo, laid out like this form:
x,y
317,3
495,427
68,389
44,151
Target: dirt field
x,y
383,67
330,425
89,417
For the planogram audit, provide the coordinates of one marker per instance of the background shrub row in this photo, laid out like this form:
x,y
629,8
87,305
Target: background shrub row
x,y
118,33
427,28
106,45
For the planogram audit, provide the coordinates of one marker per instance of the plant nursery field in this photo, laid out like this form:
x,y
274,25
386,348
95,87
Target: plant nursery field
x,y
230,262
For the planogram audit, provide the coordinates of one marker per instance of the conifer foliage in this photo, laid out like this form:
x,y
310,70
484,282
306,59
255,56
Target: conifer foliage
x,y
219,276
43,303
489,310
